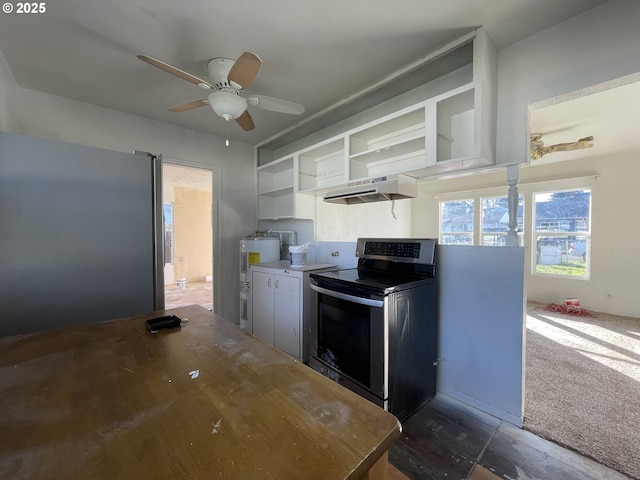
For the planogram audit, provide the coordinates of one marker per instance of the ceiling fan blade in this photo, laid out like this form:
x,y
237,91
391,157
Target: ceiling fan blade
x,y
244,69
189,105
275,104
245,121
175,71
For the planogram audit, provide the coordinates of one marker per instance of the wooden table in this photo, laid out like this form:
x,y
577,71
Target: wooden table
x,y
113,401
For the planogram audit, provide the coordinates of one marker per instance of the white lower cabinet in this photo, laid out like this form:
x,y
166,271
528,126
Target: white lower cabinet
x,y
277,311
280,306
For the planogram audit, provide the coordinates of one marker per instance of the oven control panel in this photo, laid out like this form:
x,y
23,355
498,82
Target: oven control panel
x,y
392,249
414,250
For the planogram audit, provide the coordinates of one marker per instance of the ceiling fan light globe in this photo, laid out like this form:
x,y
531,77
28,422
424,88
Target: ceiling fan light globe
x,y
227,105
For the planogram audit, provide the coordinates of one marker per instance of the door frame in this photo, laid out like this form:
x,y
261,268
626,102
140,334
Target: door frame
x,y
216,189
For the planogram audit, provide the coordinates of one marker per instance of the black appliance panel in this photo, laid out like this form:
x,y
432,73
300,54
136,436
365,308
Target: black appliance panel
x,y
399,277
344,338
410,250
369,282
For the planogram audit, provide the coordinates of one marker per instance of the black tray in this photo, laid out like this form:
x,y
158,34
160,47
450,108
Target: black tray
x,y
162,323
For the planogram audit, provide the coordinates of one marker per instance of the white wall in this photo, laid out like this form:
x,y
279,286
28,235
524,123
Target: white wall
x,y
615,230
599,45
48,116
8,95
345,223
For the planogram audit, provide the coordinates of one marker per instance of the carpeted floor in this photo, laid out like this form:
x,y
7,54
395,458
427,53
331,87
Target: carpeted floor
x,y
582,385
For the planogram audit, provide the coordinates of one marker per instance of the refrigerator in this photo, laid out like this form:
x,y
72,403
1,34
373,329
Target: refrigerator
x,y
80,235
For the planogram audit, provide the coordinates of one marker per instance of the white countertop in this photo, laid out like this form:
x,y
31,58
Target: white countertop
x,y
282,264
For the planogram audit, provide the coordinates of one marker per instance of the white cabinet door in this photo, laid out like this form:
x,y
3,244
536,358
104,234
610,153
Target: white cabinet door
x,y
287,314
263,305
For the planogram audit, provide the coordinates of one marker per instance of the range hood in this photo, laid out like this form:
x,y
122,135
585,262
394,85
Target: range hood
x,y
390,187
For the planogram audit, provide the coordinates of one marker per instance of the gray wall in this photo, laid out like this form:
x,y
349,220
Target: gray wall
x,y
48,116
8,94
77,234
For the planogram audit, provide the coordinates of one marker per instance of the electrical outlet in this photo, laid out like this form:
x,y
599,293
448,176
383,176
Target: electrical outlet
x,y
608,296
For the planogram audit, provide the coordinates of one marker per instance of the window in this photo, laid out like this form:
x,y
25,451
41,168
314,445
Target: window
x,y
167,213
456,222
562,233
495,220
458,218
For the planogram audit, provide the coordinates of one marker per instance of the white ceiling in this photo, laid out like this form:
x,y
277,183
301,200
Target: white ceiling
x,y
314,52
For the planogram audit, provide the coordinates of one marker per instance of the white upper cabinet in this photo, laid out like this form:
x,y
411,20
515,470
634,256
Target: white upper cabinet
x,y
445,122
390,146
462,122
276,189
323,165
276,178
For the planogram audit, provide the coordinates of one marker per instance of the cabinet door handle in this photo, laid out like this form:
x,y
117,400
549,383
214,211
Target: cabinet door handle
x,y
269,283
277,283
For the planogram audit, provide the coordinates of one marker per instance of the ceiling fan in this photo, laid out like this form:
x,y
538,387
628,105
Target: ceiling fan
x,y
539,149
228,78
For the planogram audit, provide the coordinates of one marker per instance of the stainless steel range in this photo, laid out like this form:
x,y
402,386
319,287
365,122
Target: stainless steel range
x,y
374,327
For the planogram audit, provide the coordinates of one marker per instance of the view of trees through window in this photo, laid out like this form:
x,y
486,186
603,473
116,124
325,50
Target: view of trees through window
x,y
562,232
456,222
495,220
561,228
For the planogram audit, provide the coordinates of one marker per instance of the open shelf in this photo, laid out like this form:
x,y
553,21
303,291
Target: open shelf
x,y
388,133
456,126
391,146
323,166
276,176
276,206
399,158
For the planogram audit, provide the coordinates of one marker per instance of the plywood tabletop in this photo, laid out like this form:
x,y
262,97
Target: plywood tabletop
x,y
208,400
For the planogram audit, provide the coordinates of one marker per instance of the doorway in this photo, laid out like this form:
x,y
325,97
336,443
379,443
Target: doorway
x,y
187,200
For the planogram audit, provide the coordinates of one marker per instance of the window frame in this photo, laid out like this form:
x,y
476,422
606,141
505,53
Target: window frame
x,y
549,232
170,231
527,189
467,233
503,234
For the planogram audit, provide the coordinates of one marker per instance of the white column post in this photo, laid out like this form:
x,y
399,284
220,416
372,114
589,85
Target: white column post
x,y
513,174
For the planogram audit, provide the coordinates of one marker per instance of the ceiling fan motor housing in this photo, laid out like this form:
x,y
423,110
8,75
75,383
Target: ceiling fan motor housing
x,y
219,71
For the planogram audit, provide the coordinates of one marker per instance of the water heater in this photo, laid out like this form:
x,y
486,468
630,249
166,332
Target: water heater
x,y
257,248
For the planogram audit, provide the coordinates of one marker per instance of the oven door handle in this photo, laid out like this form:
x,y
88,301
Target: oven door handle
x,y
350,298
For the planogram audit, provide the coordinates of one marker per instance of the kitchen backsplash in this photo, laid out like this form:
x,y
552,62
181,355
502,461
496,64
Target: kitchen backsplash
x,y
342,254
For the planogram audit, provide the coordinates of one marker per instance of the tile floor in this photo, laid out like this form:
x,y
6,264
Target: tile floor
x,y
447,439
193,293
